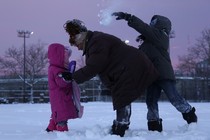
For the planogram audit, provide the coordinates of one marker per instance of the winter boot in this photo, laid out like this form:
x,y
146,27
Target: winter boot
x,y
155,125
190,117
62,126
119,128
51,126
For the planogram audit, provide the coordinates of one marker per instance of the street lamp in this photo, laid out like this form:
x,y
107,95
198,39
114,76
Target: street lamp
x,y
24,35
127,41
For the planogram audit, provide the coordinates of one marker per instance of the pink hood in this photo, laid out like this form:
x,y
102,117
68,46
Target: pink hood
x,y
56,54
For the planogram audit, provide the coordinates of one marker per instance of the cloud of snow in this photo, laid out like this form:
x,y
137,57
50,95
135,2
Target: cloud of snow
x,y
105,14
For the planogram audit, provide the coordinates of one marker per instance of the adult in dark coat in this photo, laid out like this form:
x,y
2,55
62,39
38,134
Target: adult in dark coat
x,y
155,44
123,69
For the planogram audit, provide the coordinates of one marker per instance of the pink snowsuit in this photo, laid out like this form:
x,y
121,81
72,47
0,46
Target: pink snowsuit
x,y
60,91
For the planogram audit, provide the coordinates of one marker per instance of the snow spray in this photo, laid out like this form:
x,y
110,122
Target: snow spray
x,y
105,15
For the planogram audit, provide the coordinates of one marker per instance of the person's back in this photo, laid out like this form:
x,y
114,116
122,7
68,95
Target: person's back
x,y
122,68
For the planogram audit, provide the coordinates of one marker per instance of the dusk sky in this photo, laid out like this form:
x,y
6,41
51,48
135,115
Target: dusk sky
x,y
46,18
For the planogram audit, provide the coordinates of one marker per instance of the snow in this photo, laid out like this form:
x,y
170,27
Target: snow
x,y
28,121
105,14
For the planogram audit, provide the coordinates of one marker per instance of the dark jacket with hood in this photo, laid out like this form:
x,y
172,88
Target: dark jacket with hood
x,y
156,43
126,71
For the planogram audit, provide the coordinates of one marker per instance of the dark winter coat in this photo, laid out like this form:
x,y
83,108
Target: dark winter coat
x,y
126,71
155,45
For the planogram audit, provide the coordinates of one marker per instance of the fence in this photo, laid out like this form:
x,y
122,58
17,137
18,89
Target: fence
x,y
191,88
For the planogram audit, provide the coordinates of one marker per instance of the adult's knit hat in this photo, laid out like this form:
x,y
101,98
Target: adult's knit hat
x,y
74,27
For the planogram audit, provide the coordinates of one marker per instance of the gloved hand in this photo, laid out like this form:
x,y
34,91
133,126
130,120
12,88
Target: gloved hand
x,y
67,76
140,38
121,15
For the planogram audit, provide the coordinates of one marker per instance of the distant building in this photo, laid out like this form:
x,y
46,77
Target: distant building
x,y
203,68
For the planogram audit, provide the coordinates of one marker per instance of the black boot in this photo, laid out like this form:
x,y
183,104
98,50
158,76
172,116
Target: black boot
x,y
119,128
190,117
155,125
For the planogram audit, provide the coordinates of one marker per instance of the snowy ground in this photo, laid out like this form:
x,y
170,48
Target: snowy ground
x,y
28,122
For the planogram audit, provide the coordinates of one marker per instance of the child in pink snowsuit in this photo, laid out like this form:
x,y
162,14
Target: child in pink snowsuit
x,y
60,91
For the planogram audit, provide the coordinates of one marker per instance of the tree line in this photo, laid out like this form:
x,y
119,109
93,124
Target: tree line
x,y
195,63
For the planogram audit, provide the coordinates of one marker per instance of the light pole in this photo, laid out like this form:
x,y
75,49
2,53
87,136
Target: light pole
x,y
24,35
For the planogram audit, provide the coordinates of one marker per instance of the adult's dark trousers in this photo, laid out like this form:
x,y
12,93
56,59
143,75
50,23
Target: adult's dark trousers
x,y
123,114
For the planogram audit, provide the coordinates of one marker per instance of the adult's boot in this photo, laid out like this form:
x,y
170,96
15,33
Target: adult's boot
x,y
119,128
155,125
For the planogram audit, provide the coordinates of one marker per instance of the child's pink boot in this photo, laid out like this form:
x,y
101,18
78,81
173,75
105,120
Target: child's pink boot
x,y
51,126
62,126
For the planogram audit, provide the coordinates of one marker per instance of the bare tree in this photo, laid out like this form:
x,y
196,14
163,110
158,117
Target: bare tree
x,y
36,62
186,65
200,52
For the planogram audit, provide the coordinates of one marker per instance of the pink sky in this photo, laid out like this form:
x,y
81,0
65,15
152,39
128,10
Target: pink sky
x,y
46,18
